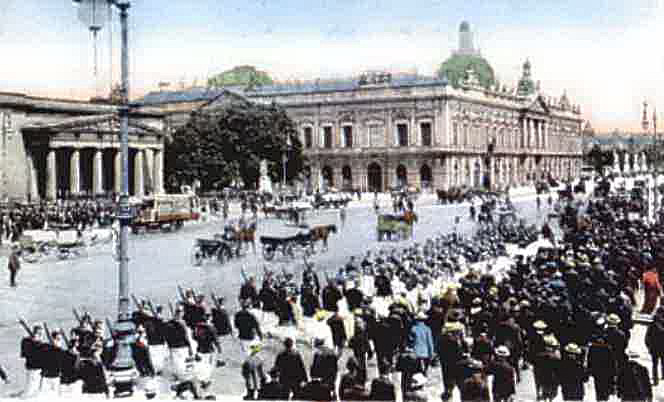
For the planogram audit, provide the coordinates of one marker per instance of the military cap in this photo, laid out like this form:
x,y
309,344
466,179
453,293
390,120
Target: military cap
x,y
551,341
613,319
539,324
502,351
573,348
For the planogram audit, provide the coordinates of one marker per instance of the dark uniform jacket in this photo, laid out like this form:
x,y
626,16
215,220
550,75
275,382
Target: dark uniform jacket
x,y
331,296
30,351
206,337
247,325
93,376
176,334
336,324
572,379
325,365
382,389
291,368
70,365
221,321
504,378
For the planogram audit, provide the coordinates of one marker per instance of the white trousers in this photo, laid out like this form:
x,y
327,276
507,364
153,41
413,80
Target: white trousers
x,y
158,354
32,383
205,366
73,390
181,368
50,387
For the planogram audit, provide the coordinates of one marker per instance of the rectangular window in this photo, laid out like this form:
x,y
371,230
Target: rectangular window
x,y
402,135
455,134
348,136
376,136
327,137
425,131
308,137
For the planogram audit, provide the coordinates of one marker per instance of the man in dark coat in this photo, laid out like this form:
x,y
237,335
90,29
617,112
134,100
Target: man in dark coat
x,y
273,390
382,389
504,376
451,352
338,329
475,387
547,368
325,365
573,375
634,383
331,296
14,265
359,343
655,344
291,367
602,366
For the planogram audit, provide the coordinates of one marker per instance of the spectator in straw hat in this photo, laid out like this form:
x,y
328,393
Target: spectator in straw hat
x,y
547,366
573,373
504,375
252,370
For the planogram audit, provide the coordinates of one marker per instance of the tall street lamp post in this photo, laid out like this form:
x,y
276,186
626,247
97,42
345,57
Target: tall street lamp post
x,y
124,328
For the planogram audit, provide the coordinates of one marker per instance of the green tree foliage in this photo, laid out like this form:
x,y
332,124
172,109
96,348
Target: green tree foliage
x,y
246,76
217,145
456,66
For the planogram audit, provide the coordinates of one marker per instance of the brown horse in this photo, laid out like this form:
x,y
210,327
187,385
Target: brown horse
x,y
244,235
322,232
410,218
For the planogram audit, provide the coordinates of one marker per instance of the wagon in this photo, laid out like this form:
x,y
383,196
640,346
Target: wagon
x,y
393,226
216,247
287,245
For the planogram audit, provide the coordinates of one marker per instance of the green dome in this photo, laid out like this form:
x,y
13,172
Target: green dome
x,y
455,67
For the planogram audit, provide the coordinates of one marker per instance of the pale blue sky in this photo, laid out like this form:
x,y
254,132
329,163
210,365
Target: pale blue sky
x,y
606,54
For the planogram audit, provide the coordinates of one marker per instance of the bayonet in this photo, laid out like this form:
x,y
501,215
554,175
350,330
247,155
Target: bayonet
x,y
26,327
78,317
48,334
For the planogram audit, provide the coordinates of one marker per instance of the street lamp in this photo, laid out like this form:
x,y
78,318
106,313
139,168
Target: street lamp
x,y
284,160
655,152
124,328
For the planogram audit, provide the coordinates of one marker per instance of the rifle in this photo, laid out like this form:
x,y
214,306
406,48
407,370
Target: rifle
x,y
48,334
152,309
244,275
26,327
170,306
181,293
214,300
78,317
138,304
64,336
110,327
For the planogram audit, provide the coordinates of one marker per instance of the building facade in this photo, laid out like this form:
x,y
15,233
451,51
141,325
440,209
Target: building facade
x,y
375,134
53,149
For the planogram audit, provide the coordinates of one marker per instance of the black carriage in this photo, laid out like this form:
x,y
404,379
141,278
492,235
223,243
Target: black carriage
x,y
219,248
287,245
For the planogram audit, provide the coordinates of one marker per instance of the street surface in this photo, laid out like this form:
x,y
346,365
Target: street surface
x,y
159,262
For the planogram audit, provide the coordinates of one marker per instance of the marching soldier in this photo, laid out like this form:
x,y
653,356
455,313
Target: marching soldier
x,y
14,265
208,345
70,381
141,353
93,373
156,332
179,340
31,347
247,326
51,367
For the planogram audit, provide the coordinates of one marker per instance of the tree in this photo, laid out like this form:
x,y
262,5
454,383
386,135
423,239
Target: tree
x,y
455,67
215,146
246,76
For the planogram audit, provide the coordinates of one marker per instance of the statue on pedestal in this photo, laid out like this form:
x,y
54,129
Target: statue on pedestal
x,y
264,181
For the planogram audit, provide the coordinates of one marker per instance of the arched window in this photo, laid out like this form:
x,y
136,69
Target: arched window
x,y
308,137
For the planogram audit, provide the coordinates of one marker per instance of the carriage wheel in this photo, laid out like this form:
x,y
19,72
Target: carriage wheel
x,y
196,257
268,253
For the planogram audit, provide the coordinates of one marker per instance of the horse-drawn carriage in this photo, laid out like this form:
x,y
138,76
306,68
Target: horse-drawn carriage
x,y
225,246
331,200
301,240
399,226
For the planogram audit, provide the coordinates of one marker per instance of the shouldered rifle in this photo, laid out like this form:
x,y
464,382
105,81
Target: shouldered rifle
x,y
48,334
170,306
214,300
152,309
110,327
77,316
26,327
181,293
136,301
64,336
244,275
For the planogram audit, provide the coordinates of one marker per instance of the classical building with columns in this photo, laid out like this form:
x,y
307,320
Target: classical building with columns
x,y
378,132
55,149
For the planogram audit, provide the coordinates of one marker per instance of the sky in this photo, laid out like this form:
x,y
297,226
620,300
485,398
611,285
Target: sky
x,y
606,54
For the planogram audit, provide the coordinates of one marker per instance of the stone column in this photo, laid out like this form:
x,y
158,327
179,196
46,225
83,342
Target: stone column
x,y
98,173
149,174
75,172
158,171
117,167
531,134
32,190
51,176
546,135
524,134
139,174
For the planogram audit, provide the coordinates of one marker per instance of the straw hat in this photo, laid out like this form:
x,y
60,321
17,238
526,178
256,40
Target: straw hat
x,y
573,348
502,351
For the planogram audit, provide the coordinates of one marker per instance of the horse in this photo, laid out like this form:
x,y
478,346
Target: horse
x,y
243,235
409,218
322,232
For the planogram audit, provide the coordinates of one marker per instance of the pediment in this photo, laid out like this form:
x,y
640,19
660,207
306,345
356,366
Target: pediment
x,y
538,105
225,99
92,124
